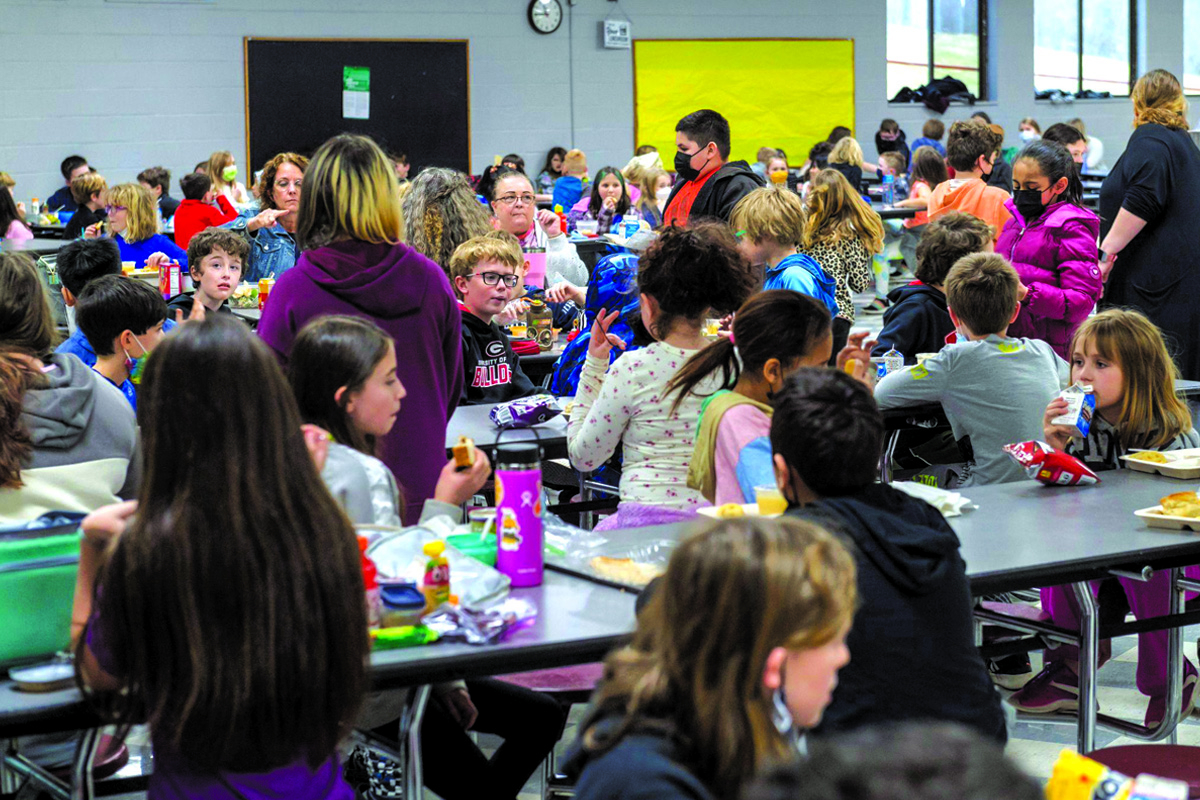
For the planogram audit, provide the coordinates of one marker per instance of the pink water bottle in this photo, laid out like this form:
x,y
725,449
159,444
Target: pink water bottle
x,y
519,513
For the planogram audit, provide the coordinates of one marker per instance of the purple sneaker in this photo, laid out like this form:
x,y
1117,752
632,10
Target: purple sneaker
x,y
1055,688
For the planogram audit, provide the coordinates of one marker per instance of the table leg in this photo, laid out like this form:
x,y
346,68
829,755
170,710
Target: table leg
x,y
1089,645
414,779
82,786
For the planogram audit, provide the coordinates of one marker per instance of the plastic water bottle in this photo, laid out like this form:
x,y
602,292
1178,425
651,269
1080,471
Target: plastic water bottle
x,y
519,513
889,190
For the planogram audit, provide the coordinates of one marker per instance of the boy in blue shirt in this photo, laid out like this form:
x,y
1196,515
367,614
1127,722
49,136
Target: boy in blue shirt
x,y
123,320
79,263
770,224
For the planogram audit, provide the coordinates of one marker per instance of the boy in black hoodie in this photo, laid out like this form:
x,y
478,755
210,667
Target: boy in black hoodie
x,y
917,319
485,272
912,646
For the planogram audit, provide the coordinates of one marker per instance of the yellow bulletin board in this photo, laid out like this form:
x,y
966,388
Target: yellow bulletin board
x,y
787,93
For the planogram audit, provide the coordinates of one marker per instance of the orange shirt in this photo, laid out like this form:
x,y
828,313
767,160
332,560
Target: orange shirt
x,y
681,205
971,196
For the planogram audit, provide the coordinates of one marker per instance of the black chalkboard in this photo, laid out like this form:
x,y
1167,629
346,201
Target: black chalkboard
x,y
420,97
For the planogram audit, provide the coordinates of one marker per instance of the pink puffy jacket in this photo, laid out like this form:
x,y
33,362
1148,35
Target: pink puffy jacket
x,y
1056,256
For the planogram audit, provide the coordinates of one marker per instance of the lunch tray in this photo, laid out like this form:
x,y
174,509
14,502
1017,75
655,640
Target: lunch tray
x,y
1188,471
748,510
1154,517
655,551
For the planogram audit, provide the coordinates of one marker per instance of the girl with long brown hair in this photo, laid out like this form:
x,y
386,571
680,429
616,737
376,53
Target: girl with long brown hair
x,y
699,702
68,441
1123,356
777,332
225,606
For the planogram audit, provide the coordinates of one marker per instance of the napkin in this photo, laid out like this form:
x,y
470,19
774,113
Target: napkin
x,y
951,504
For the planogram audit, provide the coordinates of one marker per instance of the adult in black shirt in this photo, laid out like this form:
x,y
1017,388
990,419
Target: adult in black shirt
x,y
1149,213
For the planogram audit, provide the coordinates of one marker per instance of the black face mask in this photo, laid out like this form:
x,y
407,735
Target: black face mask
x,y
684,168
1029,203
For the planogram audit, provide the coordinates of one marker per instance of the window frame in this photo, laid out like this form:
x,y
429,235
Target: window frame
x,y
1079,55
982,25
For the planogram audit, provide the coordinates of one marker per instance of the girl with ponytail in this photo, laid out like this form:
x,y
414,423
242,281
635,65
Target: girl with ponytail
x,y
774,334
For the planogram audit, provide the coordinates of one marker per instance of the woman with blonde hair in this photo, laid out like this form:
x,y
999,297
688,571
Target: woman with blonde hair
x,y
222,169
354,263
697,703
842,234
132,218
441,212
847,158
1149,205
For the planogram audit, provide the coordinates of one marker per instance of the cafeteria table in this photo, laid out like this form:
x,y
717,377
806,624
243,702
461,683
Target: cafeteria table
x,y
577,622
891,212
1024,535
474,423
38,245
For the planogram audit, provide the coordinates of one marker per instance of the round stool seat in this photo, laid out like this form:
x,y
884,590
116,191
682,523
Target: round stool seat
x,y
1176,761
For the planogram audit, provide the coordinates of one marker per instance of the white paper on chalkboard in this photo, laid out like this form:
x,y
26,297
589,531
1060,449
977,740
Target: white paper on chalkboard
x,y
356,93
356,105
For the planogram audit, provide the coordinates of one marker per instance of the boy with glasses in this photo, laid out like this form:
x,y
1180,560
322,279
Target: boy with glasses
x,y
485,272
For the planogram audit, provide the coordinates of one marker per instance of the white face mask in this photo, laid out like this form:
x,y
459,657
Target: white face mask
x,y
1029,135
662,195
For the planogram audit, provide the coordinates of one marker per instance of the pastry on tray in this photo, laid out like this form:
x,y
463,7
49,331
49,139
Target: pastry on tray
x,y
625,570
1181,504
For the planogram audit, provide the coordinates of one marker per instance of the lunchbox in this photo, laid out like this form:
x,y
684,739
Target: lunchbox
x,y
38,562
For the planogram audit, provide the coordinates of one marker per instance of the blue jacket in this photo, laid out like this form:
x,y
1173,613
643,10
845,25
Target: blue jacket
x,y
802,274
567,191
138,252
62,200
613,286
77,344
273,251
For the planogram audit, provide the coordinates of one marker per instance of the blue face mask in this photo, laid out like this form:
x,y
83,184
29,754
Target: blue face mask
x,y
136,366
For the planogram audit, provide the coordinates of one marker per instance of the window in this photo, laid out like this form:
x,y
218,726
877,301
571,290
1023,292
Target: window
x,y
954,31
1191,46
1083,45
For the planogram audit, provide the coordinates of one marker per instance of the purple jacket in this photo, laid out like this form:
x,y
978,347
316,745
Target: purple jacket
x,y
1056,256
408,296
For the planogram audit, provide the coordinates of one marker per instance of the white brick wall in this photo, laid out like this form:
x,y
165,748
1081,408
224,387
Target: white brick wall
x,y
131,85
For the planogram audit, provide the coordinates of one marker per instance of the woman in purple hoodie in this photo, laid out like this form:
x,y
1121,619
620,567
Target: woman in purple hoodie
x,y
354,263
1051,241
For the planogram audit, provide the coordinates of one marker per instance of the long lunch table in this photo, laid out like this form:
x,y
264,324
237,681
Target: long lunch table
x,y
578,622
473,422
1024,535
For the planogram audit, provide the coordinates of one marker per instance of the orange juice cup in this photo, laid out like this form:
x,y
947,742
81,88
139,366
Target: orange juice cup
x,y
770,501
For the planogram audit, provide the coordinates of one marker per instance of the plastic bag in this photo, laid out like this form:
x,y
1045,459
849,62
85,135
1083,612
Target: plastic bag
x,y
398,556
525,412
481,626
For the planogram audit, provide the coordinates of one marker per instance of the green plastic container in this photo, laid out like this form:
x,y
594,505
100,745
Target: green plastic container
x,y
479,546
37,586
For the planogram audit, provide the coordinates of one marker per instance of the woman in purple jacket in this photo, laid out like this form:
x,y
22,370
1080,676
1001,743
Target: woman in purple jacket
x,y
353,263
1051,240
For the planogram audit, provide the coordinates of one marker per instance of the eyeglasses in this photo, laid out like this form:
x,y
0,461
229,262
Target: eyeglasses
x,y
284,184
493,278
111,209
511,199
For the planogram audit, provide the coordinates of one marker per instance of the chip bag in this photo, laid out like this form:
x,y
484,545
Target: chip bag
x,y
1049,466
525,412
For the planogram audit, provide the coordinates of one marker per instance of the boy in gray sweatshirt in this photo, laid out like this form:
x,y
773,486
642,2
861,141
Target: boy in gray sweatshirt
x,y
993,388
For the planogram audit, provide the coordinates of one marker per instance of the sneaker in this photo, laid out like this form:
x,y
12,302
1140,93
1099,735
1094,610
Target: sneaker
x,y
1055,688
1158,705
374,775
1011,672
876,306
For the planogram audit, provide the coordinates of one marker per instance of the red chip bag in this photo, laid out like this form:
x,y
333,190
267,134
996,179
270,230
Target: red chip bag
x,y
1049,466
